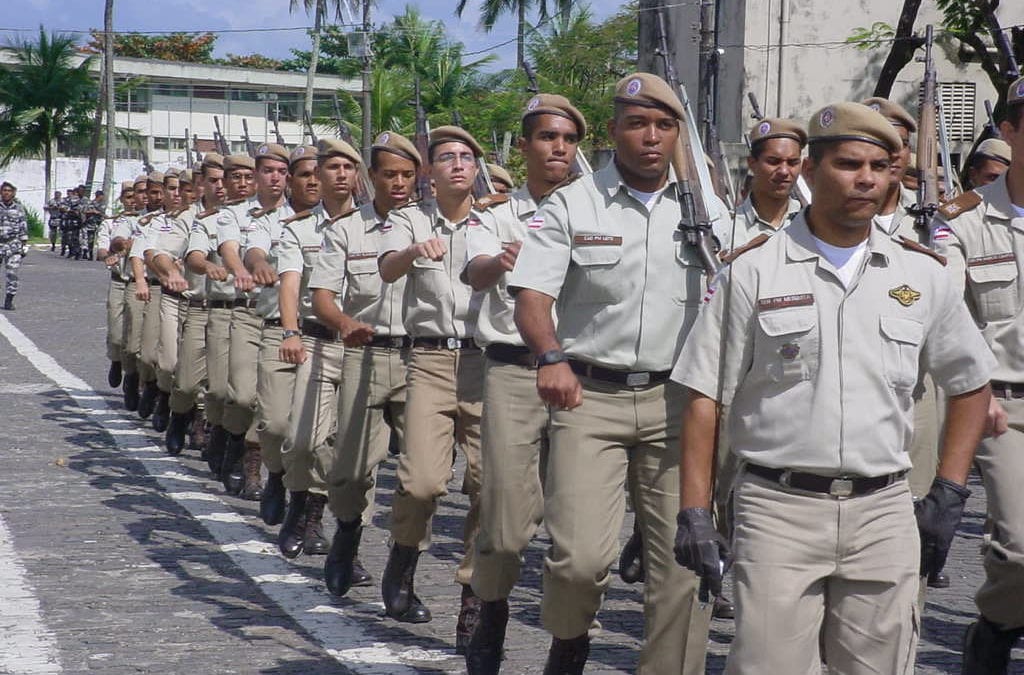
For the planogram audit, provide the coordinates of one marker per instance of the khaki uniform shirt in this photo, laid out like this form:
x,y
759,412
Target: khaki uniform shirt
x,y
626,284
146,228
348,267
267,238
820,377
203,238
171,239
489,231
986,247
437,303
747,224
301,243
117,226
239,223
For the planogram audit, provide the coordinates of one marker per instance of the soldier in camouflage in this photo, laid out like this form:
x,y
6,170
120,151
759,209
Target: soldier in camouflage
x,y
92,216
52,209
13,238
71,221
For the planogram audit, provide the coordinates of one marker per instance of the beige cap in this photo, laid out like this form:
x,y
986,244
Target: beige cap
x,y
650,91
239,162
553,104
185,176
140,179
272,151
331,147
849,121
389,141
454,134
213,160
1015,95
995,148
774,127
127,185
155,177
893,112
498,173
300,153
172,172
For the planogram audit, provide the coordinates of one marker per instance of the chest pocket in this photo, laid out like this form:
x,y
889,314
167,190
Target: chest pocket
x,y
901,348
600,272
787,350
994,290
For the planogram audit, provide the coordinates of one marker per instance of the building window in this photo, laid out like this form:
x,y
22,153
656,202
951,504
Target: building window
x,y
244,95
958,101
218,93
165,143
131,100
178,90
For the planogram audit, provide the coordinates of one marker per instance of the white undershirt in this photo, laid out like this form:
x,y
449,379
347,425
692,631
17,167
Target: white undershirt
x,y
645,198
1019,210
886,221
846,260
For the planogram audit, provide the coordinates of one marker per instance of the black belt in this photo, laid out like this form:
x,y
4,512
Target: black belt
x,y
449,343
390,342
172,294
221,304
197,302
271,323
315,329
836,486
515,355
247,303
1007,390
153,282
116,276
623,377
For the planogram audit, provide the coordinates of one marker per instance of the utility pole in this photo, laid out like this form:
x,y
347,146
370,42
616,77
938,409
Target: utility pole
x,y
108,80
707,70
367,85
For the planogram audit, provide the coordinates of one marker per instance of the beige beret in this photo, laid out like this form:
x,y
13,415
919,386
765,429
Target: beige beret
x,y
650,91
155,177
213,160
893,112
185,176
498,173
1015,95
995,148
774,127
849,121
331,147
271,151
127,185
389,141
239,162
454,134
300,153
172,172
553,104
140,179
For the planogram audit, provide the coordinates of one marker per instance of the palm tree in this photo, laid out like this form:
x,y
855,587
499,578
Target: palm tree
x,y
43,98
491,11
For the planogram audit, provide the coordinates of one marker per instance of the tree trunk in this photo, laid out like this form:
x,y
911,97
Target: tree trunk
x,y
903,48
314,59
521,34
108,100
48,170
94,140
367,88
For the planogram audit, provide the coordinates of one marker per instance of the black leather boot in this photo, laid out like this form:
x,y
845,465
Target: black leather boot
x,y
148,399
484,652
397,589
114,374
161,412
9,301
252,481
130,386
723,608
293,531
174,439
216,446
198,435
469,614
231,469
567,657
987,648
272,502
631,560
360,577
338,567
314,542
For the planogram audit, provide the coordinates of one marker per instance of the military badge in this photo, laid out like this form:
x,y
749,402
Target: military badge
x,y
789,351
905,295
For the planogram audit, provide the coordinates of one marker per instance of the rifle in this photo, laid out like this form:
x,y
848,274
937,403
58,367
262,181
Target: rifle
x,y
422,141
687,161
363,192
188,148
277,131
195,147
581,166
800,192
482,184
991,127
1011,70
308,124
250,147
222,142
927,152
947,161
145,162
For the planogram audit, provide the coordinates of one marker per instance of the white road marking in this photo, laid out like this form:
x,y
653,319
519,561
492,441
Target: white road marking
x,y
345,639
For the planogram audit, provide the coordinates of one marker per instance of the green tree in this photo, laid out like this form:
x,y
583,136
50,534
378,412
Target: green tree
x,y
44,98
492,10
189,47
319,8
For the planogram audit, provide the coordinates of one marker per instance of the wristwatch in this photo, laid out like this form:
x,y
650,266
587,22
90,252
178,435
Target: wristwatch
x,y
551,357
289,333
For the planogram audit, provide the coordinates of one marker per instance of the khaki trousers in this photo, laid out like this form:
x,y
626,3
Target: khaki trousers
x,y
115,319
372,391
167,347
150,336
308,447
442,411
275,382
815,572
513,452
1001,598
243,355
619,435
218,341
190,374
924,445
131,345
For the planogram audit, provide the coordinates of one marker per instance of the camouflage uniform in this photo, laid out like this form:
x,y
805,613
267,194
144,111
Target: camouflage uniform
x,y
13,238
92,216
54,221
71,226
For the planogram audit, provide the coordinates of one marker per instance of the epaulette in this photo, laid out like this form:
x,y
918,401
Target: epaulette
x,y
912,245
493,199
207,213
749,246
144,220
119,215
175,214
236,202
343,214
411,202
968,201
256,212
301,215
570,179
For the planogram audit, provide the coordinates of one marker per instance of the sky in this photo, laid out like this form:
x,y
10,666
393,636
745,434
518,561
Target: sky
x,y
243,15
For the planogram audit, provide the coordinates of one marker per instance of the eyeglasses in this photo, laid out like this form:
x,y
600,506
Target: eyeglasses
x,y
450,157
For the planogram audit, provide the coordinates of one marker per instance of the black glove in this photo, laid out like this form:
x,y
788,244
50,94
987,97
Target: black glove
x,y
700,548
938,514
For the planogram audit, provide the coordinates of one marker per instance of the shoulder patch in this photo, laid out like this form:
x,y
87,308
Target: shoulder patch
x,y
144,220
301,215
256,212
968,201
343,214
749,246
235,202
571,179
487,201
207,213
178,212
912,245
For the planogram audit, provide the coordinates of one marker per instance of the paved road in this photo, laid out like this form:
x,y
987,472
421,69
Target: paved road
x,y
115,558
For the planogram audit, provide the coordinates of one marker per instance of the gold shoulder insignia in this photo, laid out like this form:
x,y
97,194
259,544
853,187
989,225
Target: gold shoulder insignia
x,y
749,246
343,214
572,178
256,212
175,214
968,201
493,199
301,215
235,202
912,245
207,213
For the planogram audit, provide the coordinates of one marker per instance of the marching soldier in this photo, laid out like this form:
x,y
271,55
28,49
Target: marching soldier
x,y
240,172
513,433
606,249
502,179
52,209
92,217
372,392
126,229
71,221
13,239
118,282
990,160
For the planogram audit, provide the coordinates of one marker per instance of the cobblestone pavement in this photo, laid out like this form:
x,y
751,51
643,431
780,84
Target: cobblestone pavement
x,y
140,563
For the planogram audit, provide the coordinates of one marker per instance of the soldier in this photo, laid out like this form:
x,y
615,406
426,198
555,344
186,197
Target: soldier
x,y
52,209
502,179
126,229
606,248
427,242
118,281
13,239
71,221
513,434
989,161
827,552
372,392
92,217
986,252
240,171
